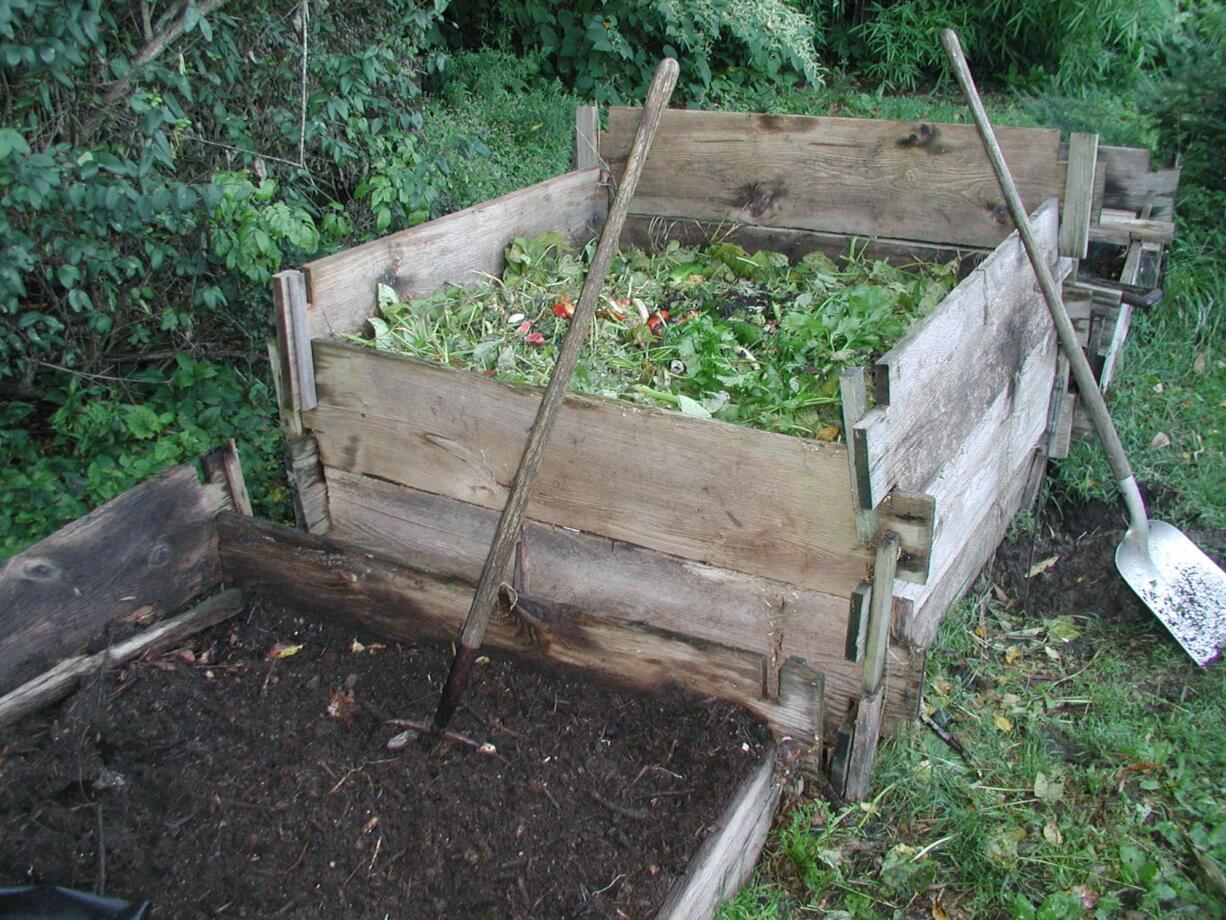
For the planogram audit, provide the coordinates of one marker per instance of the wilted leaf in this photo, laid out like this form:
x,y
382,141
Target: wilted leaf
x,y
1088,896
1046,789
1002,844
981,631
281,650
938,911
1051,833
1199,364
1042,566
692,407
1003,724
1161,440
1063,631
341,706
1012,654
1052,653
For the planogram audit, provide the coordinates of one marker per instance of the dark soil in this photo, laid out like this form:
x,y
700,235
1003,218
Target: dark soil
x,y
218,783
1083,579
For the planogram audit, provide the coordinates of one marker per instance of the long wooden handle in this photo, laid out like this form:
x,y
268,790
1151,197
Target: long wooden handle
x,y
509,523
1086,384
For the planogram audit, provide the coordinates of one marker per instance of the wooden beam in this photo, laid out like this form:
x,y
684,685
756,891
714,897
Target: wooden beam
x,y
911,517
933,388
454,249
587,136
146,553
654,233
345,583
1122,231
616,580
854,395
222,465
903,180
1129,182
63,679
757,502
1078,202
297,371
727,858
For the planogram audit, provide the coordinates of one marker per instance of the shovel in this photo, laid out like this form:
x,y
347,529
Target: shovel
x,y
1175,579
510,521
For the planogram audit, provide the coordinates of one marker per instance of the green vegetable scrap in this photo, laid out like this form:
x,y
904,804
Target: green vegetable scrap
x,y
710,331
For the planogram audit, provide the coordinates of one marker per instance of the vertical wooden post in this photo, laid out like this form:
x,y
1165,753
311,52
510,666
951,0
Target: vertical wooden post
x,y
1078,196
854,394
587,136
858,739
294,336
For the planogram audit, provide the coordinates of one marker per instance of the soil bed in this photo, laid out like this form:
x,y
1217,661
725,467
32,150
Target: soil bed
x,y
223,781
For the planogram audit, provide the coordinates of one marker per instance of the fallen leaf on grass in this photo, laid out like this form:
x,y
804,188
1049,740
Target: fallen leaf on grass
x,y
281,650
1003,724
1012,654
1161,440
1052,653
938,911
1199,364
1002,844
1046,789
1089,897
341,706
1040,567
1051,833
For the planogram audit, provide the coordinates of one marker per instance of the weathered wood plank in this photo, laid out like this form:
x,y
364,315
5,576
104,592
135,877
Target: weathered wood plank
x,y
148,552
1121,231
1078,204
934,386
727,858
619,581
983,537
862,747
757,502
587,136
873,178
346,583
1129,183
651,233
451,250
62,679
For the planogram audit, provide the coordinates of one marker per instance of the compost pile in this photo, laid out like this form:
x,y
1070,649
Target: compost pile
x,y
712,331
248,774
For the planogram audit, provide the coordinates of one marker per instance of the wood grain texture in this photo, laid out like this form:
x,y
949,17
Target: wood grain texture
x,y
727,858
450,250
918,181
862,750
348,584
1130,184
653,233
61,680
587,136
148,552
934,386
756,502
983,536
622,582
1078,204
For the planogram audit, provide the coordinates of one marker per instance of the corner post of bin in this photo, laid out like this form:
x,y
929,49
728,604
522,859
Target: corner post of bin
x,y
293,373
587,136
856,745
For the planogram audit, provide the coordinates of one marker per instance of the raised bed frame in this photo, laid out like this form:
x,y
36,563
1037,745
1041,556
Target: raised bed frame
x,y
177,556
665,548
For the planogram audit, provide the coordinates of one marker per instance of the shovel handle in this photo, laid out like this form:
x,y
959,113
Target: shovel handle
x,y
1087,386
509,523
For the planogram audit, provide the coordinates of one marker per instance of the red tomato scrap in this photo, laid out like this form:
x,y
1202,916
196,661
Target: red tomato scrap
x,y
656,320
564,309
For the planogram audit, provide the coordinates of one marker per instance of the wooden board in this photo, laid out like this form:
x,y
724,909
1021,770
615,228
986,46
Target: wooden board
x,y
1129,183
916,181
346,583
621,582
726,860
655,232
1078,204
451,250
147,553
761,503
983,536
933,388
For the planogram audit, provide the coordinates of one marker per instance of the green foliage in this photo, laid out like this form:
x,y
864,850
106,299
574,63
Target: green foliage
x,y
712,331
86,442
608,49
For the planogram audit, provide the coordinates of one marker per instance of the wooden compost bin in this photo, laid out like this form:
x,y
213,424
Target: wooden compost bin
x,y
178,556
662,549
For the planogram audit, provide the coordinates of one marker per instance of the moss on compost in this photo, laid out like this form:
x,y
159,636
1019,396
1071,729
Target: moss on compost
x,y
712,331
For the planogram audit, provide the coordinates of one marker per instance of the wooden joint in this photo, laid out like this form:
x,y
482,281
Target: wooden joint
x,y
854,395
294,339
587,136
911,517
222,466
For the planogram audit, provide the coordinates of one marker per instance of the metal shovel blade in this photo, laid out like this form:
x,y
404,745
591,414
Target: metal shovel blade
x,y
1184,588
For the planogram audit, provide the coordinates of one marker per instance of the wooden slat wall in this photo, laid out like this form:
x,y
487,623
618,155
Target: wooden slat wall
x,y
752,501
1129,184
407,602
936,385
621,582
147,553
910,181
451,250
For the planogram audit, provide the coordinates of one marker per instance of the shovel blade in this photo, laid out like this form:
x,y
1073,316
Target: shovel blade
x,y
1184,588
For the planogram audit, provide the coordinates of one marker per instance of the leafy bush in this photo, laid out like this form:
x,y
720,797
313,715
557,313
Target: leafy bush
x,y
608,49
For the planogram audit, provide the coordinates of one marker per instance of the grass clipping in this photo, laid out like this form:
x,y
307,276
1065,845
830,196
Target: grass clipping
x,y
709,331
